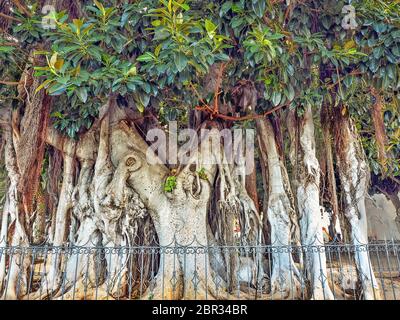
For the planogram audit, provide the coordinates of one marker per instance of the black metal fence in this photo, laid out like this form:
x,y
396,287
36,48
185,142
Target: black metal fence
x,y
191,272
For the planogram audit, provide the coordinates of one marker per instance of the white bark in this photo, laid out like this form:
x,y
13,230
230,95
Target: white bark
x,y
285,275
52,280
19,263
3,243
307,170
354,172
180,218
116,190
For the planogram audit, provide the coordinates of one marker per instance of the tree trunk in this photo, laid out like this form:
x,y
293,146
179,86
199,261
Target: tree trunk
x,y
307,179
180,218
354,176
64,206
285,275
379,126
3,242
18,261
251,187
39,219
120,183
331,181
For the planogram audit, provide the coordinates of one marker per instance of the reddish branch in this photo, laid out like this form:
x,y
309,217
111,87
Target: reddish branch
x,y
5,16
214,110
9,83
207,108
218,86
21,7
353,73
379,125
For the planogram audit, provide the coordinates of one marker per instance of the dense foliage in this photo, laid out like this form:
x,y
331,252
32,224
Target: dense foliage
x,y
158,53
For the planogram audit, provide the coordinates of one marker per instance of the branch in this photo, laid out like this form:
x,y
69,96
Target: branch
x,y
54,138
353,73
218,86
9,83
395,180
206,108
11,44
379,126
9,17
21,7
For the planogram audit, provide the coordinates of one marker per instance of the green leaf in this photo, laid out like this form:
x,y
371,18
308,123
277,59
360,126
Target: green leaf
x,y
131,86
221,57
82,94
132,71
348,81
185,6
95,52
170,184
78,23
373,65
395,34
225,8
99,5
396,50
44,84
156,23
276,98
53,59
180,61
259,8
161,34
57,114
210,26
57,89
146,57
378,52
6,49
290,95
379,27
63,80
140,107
236,21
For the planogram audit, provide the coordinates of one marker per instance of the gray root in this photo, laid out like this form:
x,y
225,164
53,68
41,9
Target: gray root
x,y
285,277
307,180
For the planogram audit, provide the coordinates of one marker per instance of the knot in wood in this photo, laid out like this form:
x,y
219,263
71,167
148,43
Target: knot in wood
x,y
130,161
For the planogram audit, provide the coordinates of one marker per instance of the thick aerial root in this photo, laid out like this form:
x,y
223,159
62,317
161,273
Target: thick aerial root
x,y
354,176
322,292
370,288
165,289
16,280
212,288
80,291
177,290
285,286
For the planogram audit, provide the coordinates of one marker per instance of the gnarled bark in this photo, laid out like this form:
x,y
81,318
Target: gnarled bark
x,y
354,175
285,274
307,179
16,282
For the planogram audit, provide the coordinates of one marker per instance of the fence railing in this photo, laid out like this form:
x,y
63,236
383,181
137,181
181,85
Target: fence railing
x,y
193,272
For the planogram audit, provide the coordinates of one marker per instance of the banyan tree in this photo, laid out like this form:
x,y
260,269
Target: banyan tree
x,y
208,123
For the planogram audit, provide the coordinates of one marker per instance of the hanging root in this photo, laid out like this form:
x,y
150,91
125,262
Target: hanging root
x,y
354,176
239,223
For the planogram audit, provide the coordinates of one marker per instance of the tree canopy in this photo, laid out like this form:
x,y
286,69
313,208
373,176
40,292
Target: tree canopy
x,y
294,53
